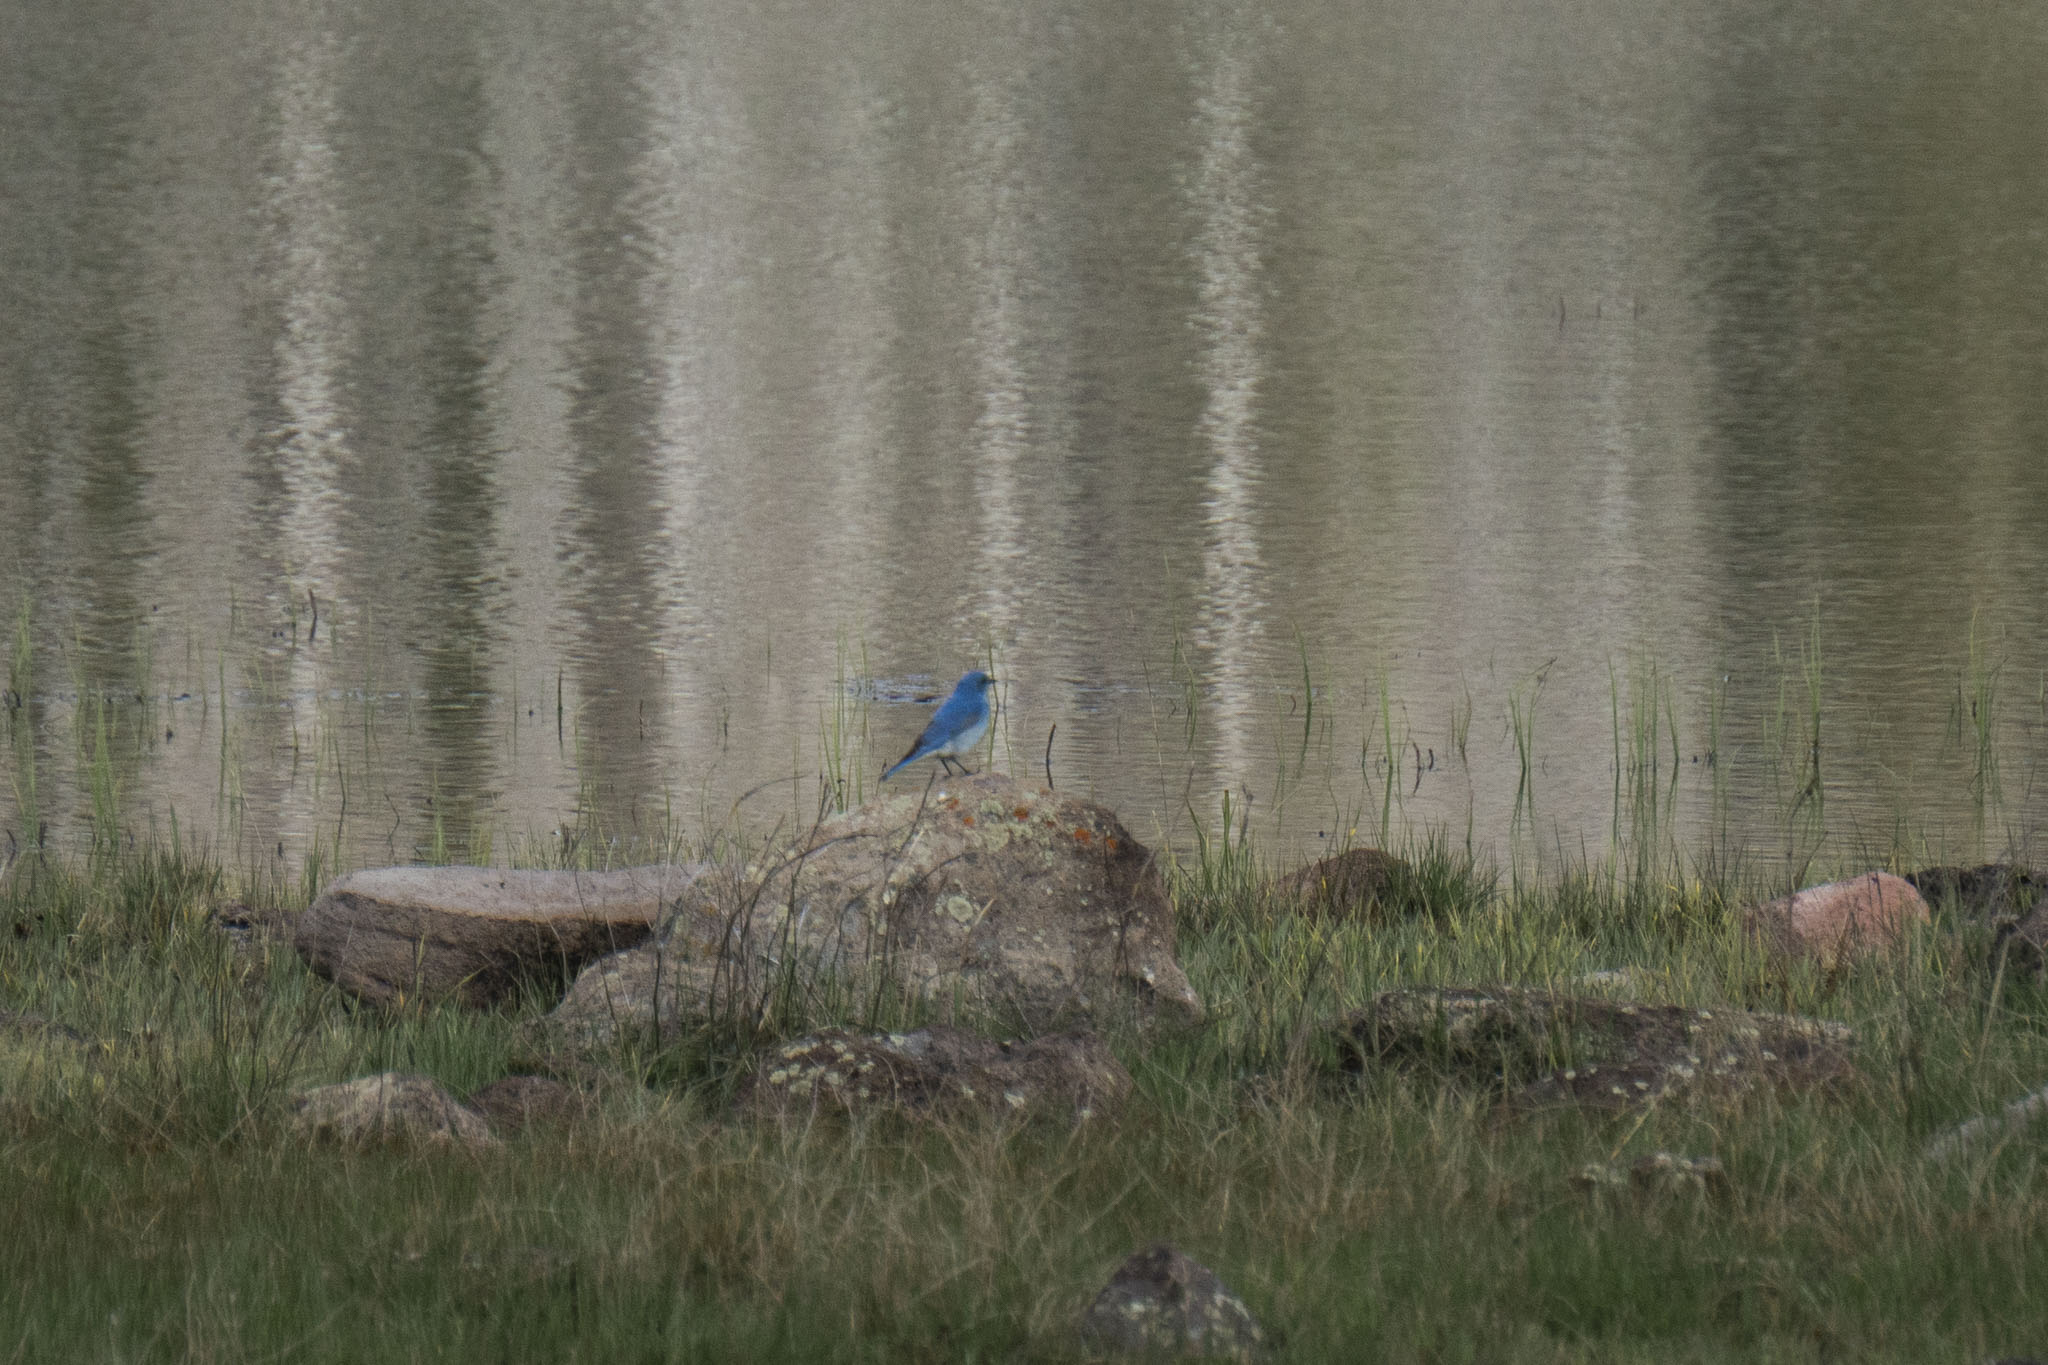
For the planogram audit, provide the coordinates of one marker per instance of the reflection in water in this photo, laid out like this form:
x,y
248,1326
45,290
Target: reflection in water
x,y
447,441
673,362
522,182
1224,199
1001,152
643,383
685,194
310,442
307,447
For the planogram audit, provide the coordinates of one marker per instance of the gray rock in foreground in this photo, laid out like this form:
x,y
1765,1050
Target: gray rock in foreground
x,y
476,933
389,1107
988,899
1161,1302
1601,1053
937,1072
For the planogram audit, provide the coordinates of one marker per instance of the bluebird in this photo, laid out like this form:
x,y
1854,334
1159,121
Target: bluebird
x,y
956,727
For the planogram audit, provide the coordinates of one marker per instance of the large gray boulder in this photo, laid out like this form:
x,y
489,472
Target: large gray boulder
x,y
984,901
476,933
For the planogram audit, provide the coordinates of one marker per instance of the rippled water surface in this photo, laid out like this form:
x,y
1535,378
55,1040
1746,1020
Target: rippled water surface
x,y
427,427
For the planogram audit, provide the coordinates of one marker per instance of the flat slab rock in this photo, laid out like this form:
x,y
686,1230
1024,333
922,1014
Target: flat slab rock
x,y
937,1072
1552,1050
990,899
478,934
1163,1303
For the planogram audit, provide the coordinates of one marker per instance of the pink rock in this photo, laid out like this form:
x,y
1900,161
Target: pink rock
x,y
1838,920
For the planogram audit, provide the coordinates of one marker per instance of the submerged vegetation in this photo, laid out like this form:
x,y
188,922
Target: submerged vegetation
x,y
162,1208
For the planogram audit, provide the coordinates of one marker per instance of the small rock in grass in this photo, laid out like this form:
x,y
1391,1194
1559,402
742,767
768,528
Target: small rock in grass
x,y
1162,1302
389,1107
1839,920
516,1102
31,1046
1987,1127
1354,884
1659,1173
937,1072
1627,979
247,928
34,1029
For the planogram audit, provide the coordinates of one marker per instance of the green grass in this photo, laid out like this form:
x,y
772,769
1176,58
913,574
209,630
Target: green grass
x,y
160,1209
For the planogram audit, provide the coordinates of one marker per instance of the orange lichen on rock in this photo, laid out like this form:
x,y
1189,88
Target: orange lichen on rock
x,y
1081,833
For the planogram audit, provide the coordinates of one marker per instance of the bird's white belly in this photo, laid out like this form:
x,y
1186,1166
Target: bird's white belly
x,y
965,740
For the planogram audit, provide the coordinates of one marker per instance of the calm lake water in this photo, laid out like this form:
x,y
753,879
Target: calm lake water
x,y
427,427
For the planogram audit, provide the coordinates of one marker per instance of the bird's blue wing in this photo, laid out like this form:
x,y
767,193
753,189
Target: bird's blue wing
x,y
961,710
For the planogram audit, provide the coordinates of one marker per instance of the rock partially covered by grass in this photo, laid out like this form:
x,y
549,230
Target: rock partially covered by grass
x,y
1359,883
2021,948
389,1107
937,1072
1546,1049
515,1103
1659,1173
476,933
1986,893
988,901
1987,1128
1838,921
1164,1303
